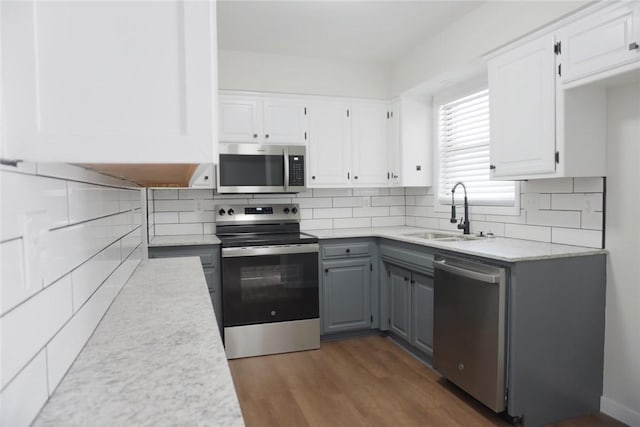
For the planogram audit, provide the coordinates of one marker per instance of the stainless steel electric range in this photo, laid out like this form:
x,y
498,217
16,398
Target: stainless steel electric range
x,y
270,296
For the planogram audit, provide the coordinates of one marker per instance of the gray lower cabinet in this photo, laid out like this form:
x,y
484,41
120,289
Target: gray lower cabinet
x,y
346,295
210,260
400,301
411,306
422,312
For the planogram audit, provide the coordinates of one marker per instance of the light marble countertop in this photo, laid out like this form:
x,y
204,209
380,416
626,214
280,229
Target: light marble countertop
x,y
155,359
498,248
184,240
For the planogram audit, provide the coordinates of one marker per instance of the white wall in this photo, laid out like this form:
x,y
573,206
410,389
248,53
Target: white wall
x,y
622,343
486,28
240,70
67,247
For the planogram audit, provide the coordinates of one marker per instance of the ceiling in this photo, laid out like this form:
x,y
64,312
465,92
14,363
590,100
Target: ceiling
x,y
379,31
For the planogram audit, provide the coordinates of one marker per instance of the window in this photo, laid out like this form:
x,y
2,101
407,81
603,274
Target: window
x,y
463,150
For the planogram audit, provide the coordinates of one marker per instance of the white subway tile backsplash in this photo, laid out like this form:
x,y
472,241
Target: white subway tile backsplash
x,y
555,185
166,217
332,213
38,292
30,195
316,224
332,192
209,228
592,221
88,201
554,218
397,210
369,192
387,201
306,213
262,200
425,222
410,200
90,275
416,191
577,202
191,217
174,205
66,345
195,194
349,202
569,236
387,221
528,232
316,202
14,288
177,229
588,185
396,191
165,194
351,222
497,228
23,398
27,328
372,211
425,200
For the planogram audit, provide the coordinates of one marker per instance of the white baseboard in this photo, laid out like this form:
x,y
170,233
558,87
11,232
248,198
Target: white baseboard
x,y
620,412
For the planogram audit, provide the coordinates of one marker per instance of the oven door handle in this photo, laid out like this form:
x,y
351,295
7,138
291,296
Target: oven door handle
x,y
270,250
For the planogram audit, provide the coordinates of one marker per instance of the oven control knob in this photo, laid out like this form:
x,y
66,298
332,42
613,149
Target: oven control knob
x,y
294,210
230,211
286,210
221,212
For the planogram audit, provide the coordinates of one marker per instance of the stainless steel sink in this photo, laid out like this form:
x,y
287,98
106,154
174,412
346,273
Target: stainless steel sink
x,y
432,235
443,237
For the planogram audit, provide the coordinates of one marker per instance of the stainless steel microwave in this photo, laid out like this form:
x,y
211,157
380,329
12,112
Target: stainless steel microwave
x,y
249,168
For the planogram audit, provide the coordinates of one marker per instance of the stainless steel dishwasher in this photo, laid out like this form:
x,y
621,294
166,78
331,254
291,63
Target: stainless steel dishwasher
x,y
469,328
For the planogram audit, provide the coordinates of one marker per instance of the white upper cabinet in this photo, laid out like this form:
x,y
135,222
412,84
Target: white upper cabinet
x,y
258,119
369,142
600,41
285,121
109,82
411,142
239,119
522,110
329,149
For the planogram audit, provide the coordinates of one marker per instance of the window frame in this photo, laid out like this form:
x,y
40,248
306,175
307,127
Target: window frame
x,y
443,97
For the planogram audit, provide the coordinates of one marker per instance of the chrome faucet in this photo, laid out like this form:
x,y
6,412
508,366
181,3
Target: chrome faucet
x,y
464,222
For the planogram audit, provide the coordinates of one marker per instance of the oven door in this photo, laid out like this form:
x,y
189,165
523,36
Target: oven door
x,y
269,284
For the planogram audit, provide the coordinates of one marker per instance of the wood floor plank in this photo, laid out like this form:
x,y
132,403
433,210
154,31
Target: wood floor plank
x,y
367,381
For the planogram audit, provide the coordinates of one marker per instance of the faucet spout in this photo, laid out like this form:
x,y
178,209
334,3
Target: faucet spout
x,y
464,222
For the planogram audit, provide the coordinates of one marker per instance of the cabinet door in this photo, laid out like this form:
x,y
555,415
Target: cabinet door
x,y
393,145
400,302
600,41
422,312
522,110
239,119
285,121
346,295
329,144
109,82
369,144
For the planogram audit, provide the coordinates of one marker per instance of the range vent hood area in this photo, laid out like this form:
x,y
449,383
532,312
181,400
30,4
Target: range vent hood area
x,y
159,175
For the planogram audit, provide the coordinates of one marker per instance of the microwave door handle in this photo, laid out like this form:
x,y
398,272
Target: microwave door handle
x,y
286,169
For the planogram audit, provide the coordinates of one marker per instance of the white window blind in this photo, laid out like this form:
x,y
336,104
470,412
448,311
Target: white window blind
x,y
463,135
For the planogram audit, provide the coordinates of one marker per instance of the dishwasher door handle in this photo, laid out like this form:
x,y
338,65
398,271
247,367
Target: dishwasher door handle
x,y
476,275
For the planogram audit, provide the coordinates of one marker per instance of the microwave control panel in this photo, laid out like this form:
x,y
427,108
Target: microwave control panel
x,y
296,171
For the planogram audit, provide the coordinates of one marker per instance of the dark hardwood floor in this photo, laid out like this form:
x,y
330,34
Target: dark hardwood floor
x,y
367,381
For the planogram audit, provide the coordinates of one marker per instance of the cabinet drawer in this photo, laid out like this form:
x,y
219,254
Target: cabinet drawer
x,y
209,256
342,250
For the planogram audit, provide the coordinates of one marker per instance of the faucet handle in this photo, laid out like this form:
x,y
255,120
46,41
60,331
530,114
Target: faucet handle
x,y
453,214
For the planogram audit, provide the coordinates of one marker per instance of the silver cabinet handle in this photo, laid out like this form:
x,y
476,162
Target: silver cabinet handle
x,y
475,275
